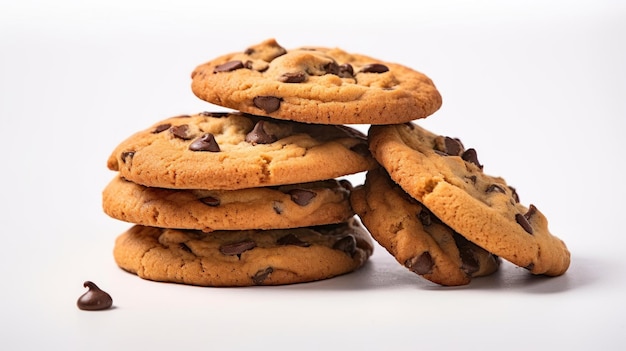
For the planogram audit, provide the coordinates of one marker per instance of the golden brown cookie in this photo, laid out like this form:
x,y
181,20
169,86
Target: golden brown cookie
x,y
315,85
226,151
243,258
449,180
286,206
415,237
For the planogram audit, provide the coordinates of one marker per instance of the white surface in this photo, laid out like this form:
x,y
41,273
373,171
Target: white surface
x,y
539,90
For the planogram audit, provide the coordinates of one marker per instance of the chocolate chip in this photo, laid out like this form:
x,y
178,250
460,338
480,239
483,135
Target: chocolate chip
x,y
471,156
453,146
422,264
228,66
127,156
161,127
425,217
531,211
237,248
211,201
331,68
184,247
515,195
94,299
301,197
291,239
521,220
374,68
181,131
205,143
469,262
214,114
346,184
345,71
346,244
497,188
293,77
268,104
260,276
258,135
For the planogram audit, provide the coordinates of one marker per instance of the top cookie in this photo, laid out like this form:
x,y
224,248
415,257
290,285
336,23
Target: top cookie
x,y
449,180
316,85
227,151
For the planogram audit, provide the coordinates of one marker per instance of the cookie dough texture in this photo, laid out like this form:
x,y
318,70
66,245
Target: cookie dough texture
x,y
243,258
415,237
449,180
315,85
287,206
228,151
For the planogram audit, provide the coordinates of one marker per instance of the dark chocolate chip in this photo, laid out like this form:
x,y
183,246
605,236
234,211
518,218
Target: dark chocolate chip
x,y
161,127
260,276
205,143
422,264
229,66
211,201
184,247
214,114
346,184
94,299
531,211
291,239
453,146
258,135
127,156
515,195
425,217
268,104
497,188
471,156
521,220
374,68
293,77
301,197
331,68
346,71
237,248
181,131
346,244
469,262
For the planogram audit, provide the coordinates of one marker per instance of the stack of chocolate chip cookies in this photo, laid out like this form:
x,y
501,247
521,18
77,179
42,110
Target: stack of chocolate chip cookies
x,y
255,196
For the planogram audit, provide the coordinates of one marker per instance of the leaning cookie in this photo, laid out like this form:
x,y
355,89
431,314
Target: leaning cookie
x,y
287,206
449,180
315,85
243,258
229,151
415,237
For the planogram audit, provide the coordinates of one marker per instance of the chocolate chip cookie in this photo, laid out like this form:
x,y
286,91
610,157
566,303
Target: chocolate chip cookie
x,y
448,179
315,85
243,258
415,237
286,206
226,151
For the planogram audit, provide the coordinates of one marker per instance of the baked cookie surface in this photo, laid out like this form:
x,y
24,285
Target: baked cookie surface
x,y
229,151
415,237
449,180
243,258
315,85
286,206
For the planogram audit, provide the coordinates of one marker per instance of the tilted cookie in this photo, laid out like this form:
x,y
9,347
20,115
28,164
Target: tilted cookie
x,y
315,85
243,258
225,151
415,237
449,180
286,206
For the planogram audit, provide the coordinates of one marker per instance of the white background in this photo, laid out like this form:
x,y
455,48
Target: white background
x,y
537,87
